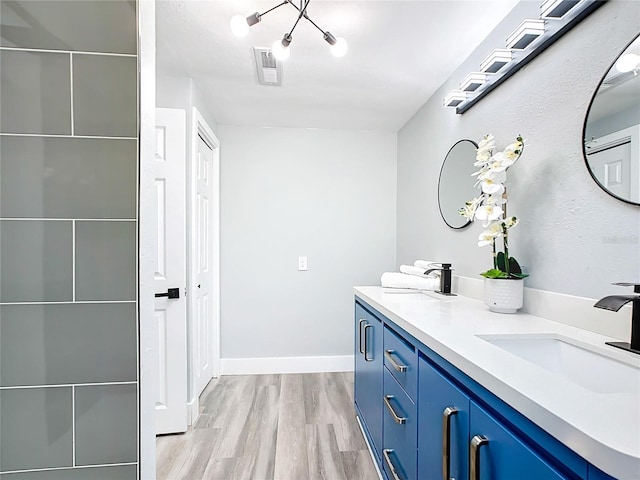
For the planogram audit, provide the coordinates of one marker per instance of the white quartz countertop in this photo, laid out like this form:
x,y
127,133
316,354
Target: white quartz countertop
x,y
603,428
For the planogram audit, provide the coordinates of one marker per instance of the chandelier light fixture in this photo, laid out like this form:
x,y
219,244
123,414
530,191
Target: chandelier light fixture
x,y
240,28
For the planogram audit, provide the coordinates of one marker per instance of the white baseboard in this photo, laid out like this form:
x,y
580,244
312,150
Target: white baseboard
x,y
251,366
559,307
193,411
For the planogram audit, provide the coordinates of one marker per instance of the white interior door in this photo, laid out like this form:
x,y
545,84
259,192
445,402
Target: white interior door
x,y
204,300
170,272
612,168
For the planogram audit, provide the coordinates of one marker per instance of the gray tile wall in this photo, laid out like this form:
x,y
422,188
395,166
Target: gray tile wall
x,y
68,240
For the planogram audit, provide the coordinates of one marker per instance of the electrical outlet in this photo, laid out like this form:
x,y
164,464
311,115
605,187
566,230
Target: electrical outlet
x,y
302,264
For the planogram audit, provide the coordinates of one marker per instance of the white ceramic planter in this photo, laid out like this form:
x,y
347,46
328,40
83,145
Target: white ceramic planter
x,y
503,295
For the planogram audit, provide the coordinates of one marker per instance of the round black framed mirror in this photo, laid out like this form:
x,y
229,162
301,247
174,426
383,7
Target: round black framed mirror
x,y
611,133
455,185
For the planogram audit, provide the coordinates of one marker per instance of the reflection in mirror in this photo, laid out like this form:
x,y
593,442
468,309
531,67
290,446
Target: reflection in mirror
x,y
455,186
612,128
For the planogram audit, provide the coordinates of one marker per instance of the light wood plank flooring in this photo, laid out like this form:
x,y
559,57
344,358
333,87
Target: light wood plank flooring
x,y
271,427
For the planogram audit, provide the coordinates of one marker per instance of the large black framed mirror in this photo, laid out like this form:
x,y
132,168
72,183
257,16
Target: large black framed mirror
x,y
456,185
611,133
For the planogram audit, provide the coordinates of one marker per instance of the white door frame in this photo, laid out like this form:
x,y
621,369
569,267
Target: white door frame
x,y
200,127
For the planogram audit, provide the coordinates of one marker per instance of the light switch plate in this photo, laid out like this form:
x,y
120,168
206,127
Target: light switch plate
x,y
302,264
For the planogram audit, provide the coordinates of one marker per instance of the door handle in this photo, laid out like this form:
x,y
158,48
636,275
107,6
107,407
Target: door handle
x,y
360,346
474,456
446,441
170,293
366,328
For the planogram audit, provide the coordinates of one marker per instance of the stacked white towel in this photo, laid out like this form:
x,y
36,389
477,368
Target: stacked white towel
x,y
425,264
412,270
414,282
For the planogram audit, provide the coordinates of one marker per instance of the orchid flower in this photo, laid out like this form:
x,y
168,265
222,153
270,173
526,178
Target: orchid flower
x,y
490,207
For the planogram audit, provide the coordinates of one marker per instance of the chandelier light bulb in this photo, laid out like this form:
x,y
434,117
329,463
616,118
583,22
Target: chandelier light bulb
x,y
339,49
628,62
239,26
280,51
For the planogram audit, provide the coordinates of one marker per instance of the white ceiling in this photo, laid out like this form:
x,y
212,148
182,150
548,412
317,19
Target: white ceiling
x,y
400,52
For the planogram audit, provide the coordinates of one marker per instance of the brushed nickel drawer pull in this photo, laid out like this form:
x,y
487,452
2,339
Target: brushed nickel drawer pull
x,y
388,355
396,418
387,458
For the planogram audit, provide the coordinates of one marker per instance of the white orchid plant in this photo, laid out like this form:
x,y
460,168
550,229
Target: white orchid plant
x,y
491,206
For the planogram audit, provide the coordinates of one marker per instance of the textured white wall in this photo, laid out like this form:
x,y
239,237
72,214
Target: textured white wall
x,y
573,237
329,195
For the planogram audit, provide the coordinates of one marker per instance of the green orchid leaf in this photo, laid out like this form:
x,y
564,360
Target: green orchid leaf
x,y
514,266
519,275
494,273
500,261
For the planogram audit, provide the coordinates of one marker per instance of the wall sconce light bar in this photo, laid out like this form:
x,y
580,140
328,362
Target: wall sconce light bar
x,y
551,31
496,60
555,9
455,98
473,82
526,33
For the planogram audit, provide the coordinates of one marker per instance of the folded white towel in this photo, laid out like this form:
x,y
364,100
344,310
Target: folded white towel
x,y
426,264
411,270
402,280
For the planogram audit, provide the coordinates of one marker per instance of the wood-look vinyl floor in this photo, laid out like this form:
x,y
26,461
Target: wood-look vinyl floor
x,y
271,427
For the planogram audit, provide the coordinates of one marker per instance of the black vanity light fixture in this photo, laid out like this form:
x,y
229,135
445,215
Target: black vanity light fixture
x,y
526,42
280,48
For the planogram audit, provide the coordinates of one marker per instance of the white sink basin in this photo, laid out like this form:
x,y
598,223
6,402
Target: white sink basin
x,y
597,369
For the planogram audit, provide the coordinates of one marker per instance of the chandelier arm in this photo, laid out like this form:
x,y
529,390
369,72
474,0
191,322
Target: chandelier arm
x,y
300,15
314,24
273,8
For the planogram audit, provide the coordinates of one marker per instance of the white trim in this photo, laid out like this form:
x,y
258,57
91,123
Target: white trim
x,y
34,219
66,385
251,366
193,410
200,127
71,98
73,260
77,467
68,302
147,327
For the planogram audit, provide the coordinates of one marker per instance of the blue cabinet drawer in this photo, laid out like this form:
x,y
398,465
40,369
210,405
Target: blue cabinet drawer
x,y
400,431
495,453
402,361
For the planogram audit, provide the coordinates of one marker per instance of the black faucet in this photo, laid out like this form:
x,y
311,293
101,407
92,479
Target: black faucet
x,y
445,278
615,303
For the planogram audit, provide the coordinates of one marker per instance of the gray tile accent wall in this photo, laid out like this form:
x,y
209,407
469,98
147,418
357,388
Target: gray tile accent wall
x,y
36,428
39,344
68,178
68,240
35,92
35,261
104,99
106,424
88,26
106,260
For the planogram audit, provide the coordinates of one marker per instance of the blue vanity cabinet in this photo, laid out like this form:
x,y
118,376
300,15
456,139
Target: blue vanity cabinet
x,y
443,426
495,453
399,450
368,375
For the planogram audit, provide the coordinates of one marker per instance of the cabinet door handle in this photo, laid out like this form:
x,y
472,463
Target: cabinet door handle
x,y
366,328
446,441
392,468
393,362
360,345
474,456
396,418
